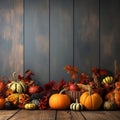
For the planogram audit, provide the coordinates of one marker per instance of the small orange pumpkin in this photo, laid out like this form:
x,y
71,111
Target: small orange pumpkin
x,y
114,96
59,101
2,102
91,101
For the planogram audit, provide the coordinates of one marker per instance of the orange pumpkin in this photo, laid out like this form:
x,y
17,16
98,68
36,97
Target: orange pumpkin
x,y
117,99
117,85
91,101
2,102
59,101
114,96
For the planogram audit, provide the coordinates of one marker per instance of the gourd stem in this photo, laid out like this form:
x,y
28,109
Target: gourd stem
x,y
63,90
76,100
14,76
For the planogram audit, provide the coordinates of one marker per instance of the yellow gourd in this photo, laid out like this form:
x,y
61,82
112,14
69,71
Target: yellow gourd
x,y
108,80
30,106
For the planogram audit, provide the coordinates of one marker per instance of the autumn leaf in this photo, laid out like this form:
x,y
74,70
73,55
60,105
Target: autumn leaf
x,y
84,78
72,71
99,72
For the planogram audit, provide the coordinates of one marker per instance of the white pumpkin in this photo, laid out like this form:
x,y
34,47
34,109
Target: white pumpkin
x,y
76,106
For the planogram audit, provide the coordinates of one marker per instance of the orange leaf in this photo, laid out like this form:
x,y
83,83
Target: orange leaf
x,y
73,76
72,70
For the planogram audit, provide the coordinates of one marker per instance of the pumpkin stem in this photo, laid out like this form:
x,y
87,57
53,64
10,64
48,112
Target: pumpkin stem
x,y
89,90
63,90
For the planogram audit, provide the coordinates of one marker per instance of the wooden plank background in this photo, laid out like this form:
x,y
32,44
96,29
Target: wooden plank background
x,y
86,34
46,35
109,32
36,38
11,37
61,37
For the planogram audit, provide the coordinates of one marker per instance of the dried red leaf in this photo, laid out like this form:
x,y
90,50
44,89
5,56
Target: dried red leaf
x,y
27,79
72,71
28,74
83,78
99,72
103,72
48,86
44,103
20,77
58,86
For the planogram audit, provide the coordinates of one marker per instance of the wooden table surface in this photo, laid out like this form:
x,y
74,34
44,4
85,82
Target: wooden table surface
x,y
58,115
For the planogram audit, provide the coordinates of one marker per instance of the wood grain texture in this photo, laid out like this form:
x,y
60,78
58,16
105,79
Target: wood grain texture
x,y
100,115
6,114
69,115
63,115
11,37
76,115
110,33
114,115
37,39
35,115
61,37
86,34
58,115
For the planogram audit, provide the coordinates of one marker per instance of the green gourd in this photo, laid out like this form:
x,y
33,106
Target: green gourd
x,y
35,101
108,105
16,85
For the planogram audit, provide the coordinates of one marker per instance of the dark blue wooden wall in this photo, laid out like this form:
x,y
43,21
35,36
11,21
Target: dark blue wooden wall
x,y
46,35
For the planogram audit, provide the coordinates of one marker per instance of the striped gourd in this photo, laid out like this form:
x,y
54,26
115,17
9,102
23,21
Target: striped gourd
x,y
76,106
108,80
17,86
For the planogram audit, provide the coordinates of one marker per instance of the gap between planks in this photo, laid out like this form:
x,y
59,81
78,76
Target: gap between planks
x,y
35,115
7,114
101,115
